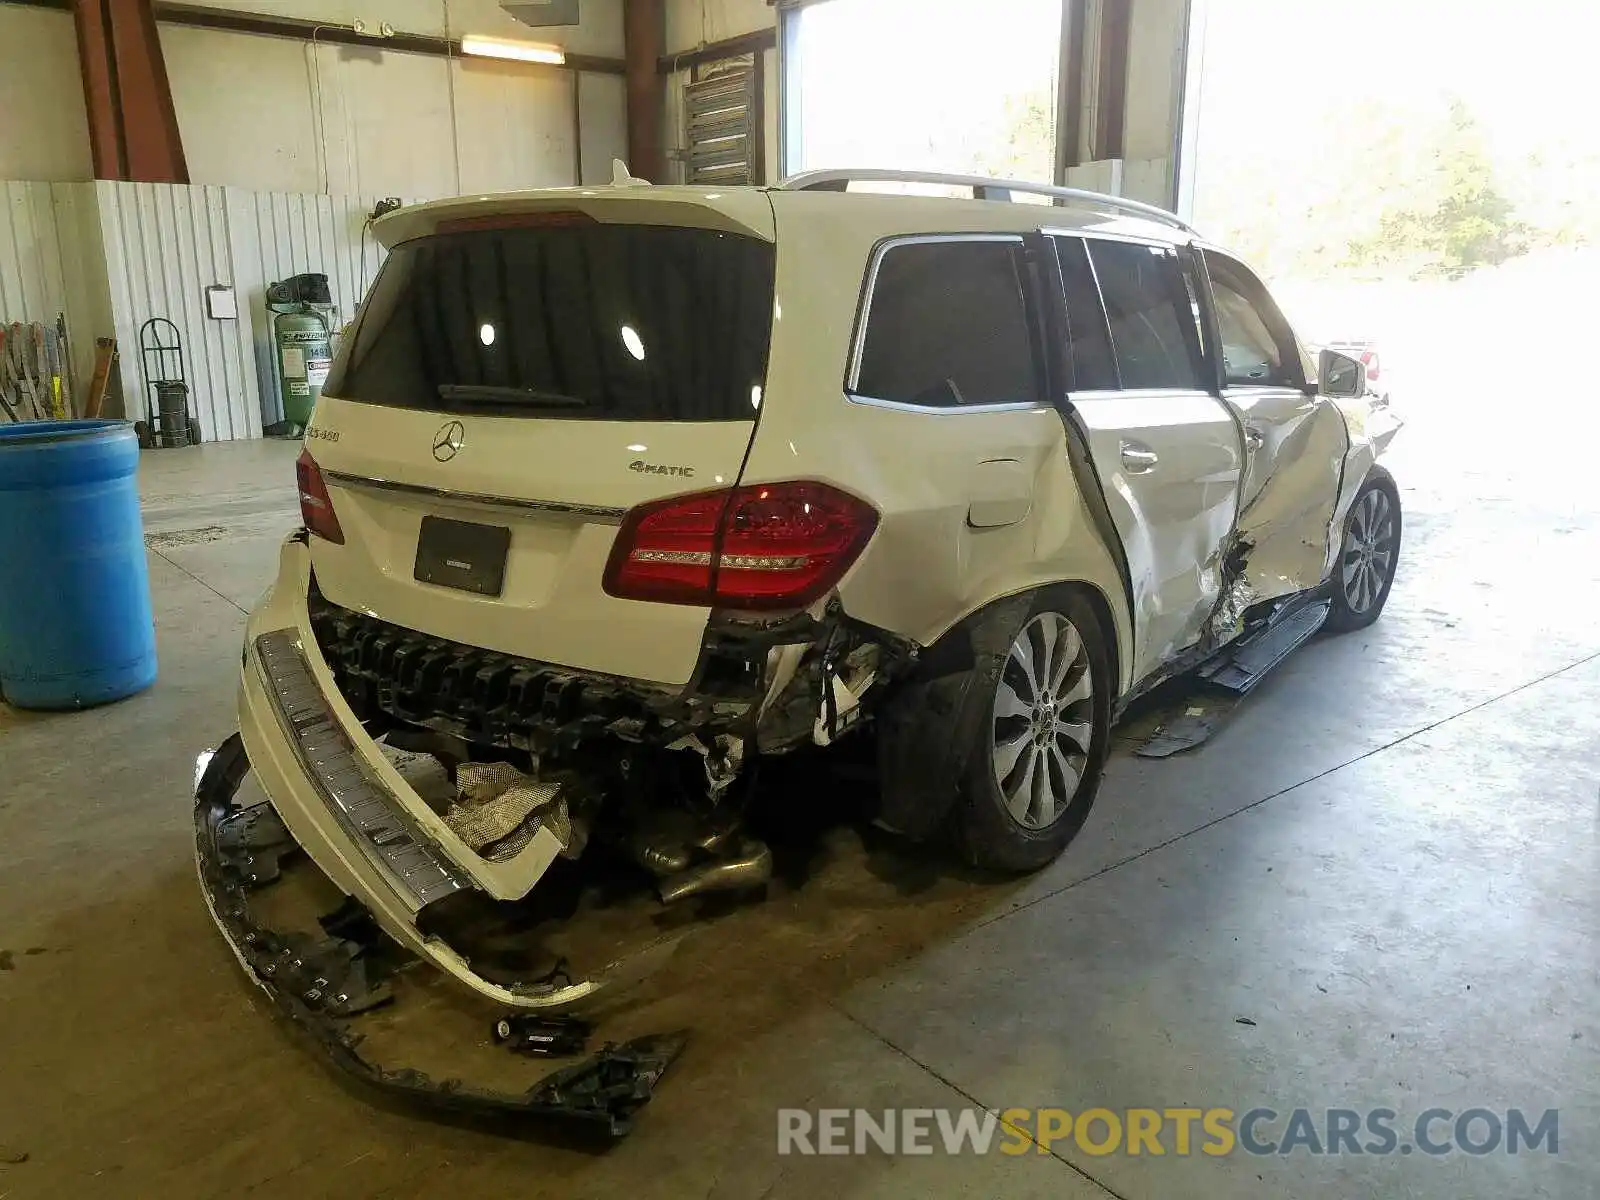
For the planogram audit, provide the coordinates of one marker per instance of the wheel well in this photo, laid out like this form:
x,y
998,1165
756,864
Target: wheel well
x,y
925,724
951,645
1108,629
1378,471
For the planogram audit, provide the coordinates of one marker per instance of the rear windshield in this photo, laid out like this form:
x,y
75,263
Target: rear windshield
x,y
605,322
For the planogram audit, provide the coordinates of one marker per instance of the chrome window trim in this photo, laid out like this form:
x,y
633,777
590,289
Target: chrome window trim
x,y
946,410
592,511
858,346
1100,395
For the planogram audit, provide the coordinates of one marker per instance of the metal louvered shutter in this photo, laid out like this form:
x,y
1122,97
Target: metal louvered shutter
x,y
720,115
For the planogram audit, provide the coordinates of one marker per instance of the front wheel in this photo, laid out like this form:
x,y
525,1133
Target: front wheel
x,y
1041,745
1368,555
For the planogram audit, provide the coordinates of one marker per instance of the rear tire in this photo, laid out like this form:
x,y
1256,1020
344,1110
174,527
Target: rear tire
x,y
1368,556
1040,746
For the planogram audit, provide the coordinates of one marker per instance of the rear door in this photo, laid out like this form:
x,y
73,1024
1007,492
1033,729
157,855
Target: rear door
x,y
518,380
1166,449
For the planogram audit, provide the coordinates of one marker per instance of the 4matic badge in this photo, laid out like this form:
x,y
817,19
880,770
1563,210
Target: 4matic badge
x,y
645,468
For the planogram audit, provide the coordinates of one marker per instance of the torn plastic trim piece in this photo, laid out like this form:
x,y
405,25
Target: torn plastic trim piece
x,y
603,1093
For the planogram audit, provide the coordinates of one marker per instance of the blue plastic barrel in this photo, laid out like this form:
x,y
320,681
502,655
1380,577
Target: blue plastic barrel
x,y
75,625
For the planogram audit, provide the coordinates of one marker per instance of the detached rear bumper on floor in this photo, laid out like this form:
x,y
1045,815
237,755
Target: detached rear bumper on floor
x,y
317,982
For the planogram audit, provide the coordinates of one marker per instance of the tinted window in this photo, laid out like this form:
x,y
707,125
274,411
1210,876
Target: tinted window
x,y
1093,367
1153,331
1257,348
609,322
948,325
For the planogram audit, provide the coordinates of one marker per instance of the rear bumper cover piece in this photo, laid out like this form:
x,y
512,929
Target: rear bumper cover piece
x,y
601,1093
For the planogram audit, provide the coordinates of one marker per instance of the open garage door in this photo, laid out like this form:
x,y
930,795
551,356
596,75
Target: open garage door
x,y
944,85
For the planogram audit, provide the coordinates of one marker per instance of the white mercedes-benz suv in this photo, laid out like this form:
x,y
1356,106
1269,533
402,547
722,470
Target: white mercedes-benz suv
x,y
613,491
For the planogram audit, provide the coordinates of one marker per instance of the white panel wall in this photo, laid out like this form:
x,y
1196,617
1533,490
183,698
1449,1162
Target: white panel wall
x,y
1155,73
692,23
32,287
1145,179
278,114
50,263
244,108
604,125
600,33
772,84
516,126
44,133
165,244
275,236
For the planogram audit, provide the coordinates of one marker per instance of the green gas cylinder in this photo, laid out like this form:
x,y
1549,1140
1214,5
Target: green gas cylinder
x,y
302,335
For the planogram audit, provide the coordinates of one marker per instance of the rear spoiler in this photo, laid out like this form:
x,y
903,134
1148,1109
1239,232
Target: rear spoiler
x,y
744,211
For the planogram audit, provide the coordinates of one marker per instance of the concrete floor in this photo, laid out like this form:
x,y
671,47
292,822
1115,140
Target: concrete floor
x,y
1389,863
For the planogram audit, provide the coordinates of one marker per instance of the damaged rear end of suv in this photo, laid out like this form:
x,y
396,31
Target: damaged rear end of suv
x,y
613,493
533,610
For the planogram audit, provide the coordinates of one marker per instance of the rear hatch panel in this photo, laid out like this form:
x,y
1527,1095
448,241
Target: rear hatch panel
x,y
541,371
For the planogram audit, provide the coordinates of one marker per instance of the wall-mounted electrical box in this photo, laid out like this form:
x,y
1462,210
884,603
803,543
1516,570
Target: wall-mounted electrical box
x,y
221,303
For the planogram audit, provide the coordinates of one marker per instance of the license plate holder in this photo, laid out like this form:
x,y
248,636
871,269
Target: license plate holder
x,y
462,555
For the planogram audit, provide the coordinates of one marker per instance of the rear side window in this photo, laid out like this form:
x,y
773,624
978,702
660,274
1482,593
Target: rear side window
x,y
947,326
584,320
1093,367
1153,330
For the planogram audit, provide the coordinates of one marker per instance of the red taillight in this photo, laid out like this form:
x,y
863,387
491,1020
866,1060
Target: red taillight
x,y
771,546
1369,360
316,509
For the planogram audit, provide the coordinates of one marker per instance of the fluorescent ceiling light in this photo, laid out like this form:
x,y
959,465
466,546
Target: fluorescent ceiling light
x,y
489,47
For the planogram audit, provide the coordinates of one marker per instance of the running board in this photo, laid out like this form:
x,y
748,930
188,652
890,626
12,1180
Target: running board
x,y
1252,660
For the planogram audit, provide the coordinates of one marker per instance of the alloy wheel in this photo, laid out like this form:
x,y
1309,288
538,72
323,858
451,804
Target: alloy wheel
x,y
1043,720
1368,559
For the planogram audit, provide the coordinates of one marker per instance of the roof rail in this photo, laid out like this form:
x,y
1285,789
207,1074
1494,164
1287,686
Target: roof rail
x,y
838,180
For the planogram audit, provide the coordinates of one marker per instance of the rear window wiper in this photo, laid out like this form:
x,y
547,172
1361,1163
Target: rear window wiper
x,y
483,393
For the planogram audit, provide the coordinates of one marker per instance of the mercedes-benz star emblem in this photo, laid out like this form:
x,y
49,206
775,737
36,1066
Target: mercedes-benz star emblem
x,y
447,442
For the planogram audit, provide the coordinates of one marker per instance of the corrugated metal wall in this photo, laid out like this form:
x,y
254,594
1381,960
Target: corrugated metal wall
x,y
48,264
31,284
166,243
276,235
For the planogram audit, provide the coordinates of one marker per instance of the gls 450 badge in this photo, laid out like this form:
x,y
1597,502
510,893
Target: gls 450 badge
x,y
645,468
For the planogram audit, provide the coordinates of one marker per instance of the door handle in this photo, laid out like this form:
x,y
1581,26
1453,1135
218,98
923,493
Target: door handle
x,y
1138,458
1252,439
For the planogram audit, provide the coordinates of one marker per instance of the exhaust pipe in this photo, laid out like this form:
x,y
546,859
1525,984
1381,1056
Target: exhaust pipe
x,y
750,867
